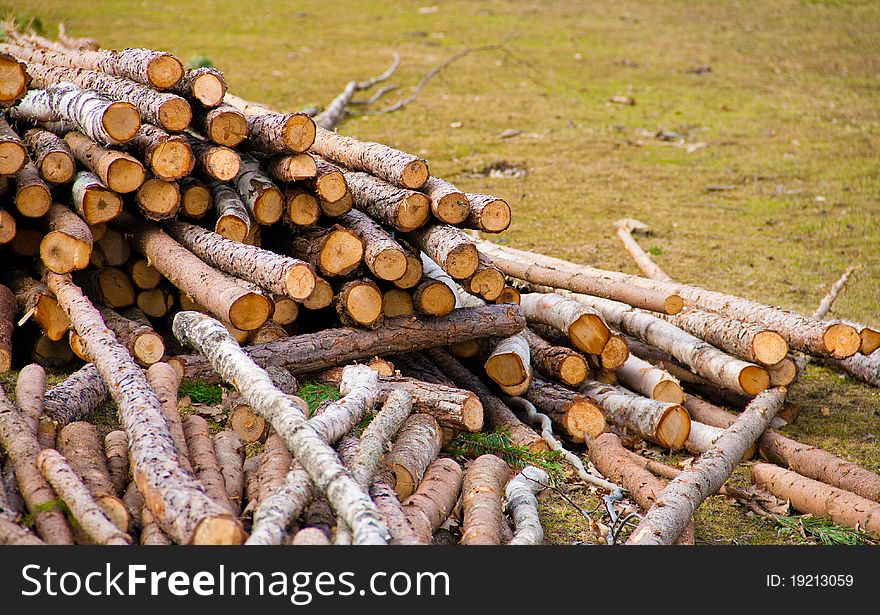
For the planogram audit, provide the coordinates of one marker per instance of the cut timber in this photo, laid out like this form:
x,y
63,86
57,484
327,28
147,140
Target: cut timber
x,y
414,271
53,355
205,85
111,250
224,125
321,297
108,285
291,167
7,325
229,450
488,213
616,463
334,251
89,517
275,463
317,351
397,302
583,326
866,369
275,133
385,424
556,362
13,153
484,481
328,183
509,363
434,499
220,293
261,196
664,423
719,368
614,354
813,497
522,505
417,445
509,295
359,303
301,207
274,272
22,448
93,200
487,282
214,161
447,204
625,229
450,248
14,79
498,415
32,194
104,120
195,198
783,373
155,302
389,164
286,309
35,297
652,382
75,397
177,502
433,298
80,443
51,154
116,457
30,388
143,275
168,156
233,221
165,383
169,111
286,417
816,337
702,437
574,413
68,244
204,460
269,331
401,209
7,227
680,498
382,254
158,199
137,335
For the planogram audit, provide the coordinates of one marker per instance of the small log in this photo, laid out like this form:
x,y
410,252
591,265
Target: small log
x,y
142,274
275,133
321,297
30,387
509,362
556,362
263,199
35,298
13,153
111,250
116,456
290,167
359,303
32,194
165,383
155,302
168,156
417,445
401,209
414,270
522,505
75,397
15,79
195,198
7,227
652,382
576,415
67,246
215,162
450,248
203,459
205,85
487,282
487,213
301,207
447,204
93,200
135,332
108,285
233,221
397,302
230,457
7,326
158,199
50,153
433,298
382,254
224,125
484,480
432,502
334,251
584,327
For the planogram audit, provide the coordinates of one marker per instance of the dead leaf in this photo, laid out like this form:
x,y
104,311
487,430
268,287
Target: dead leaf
x,y
825,411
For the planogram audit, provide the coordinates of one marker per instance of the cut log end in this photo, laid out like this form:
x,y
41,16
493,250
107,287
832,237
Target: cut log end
x,y
125,175
223,163
249,425
219,531
56,167
115,510
231,227
434,298
300,281
14,81
269,206
673,304
149,348
62,253
415,174
754,379
584,418
363,303
769,347
121,120
573,370
452,208
321,297
250,311
299,132
164,71
195,200
589,333
172,159
413,212
33,201
342,252
302,208
175,114
331,186
101,205
508,295
462,261
390,264
397,302
209,89
488,283
413,274
615,353
842,340
495,217
507,369
158,199
227,128
674,427
668,391
783,373
13,156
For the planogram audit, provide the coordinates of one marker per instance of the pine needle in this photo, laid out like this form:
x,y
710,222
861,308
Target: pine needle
x,y
498,443
315,394
805,528
200,393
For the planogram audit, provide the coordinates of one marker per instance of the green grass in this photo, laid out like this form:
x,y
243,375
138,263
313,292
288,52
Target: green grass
x,y
789,112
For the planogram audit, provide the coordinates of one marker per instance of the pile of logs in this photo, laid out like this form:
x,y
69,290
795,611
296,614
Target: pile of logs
x,y
155,228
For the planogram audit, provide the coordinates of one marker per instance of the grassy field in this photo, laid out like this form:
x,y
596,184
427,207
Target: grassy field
x,y
777,101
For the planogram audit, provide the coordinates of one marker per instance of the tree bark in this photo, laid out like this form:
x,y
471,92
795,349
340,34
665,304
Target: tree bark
x,y
169,156
447,204
136,334
484,480
556,362
522,505
583,325
7,326
450,248
205,85
263,199
32,194
34,297
649,381
432,502
116,456
13,153
275,133
574,413
229,449
417,445
204,460
382,254
51,154
401,209
224,125
215,162
178,503
76,397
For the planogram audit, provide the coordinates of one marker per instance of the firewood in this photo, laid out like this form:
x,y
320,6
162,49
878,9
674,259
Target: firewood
x,y
263,199
217,291
414,270
205,85
652,382
93,200
359,304
401,209
382,254
615,462
498,415
158,199
522,505
13,153
275,133
13,502
233,221
321,297
75,397
682,495
108,285
703,436
585,328
386,163
229,450
434,498
11,533
32,194
116,456
166,487
195,198
783,373
155,302
329,185
487,282
22,448
484,480
111,250
812,497
15,80
67,246
7,227
391,511
165,383
509,362
35,298
71,42
158,69
30,387
290,167
433,298
204,460
333,251
487,213
397,302
450,248
574,413
301,207
135,504
224,125
50,153
556,362
391,418
508,295
81,445
164,109
269,331
8,310
168,156
447,204
151,533
215,162
104,120
417,445
136,333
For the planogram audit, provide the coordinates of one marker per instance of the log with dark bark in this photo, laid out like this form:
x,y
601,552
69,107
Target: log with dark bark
x,y
556,362
51,154
263,199
447,204
135,332
168,156
179,504
232,219
275,133
329,185
452,249
222,294
75,397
